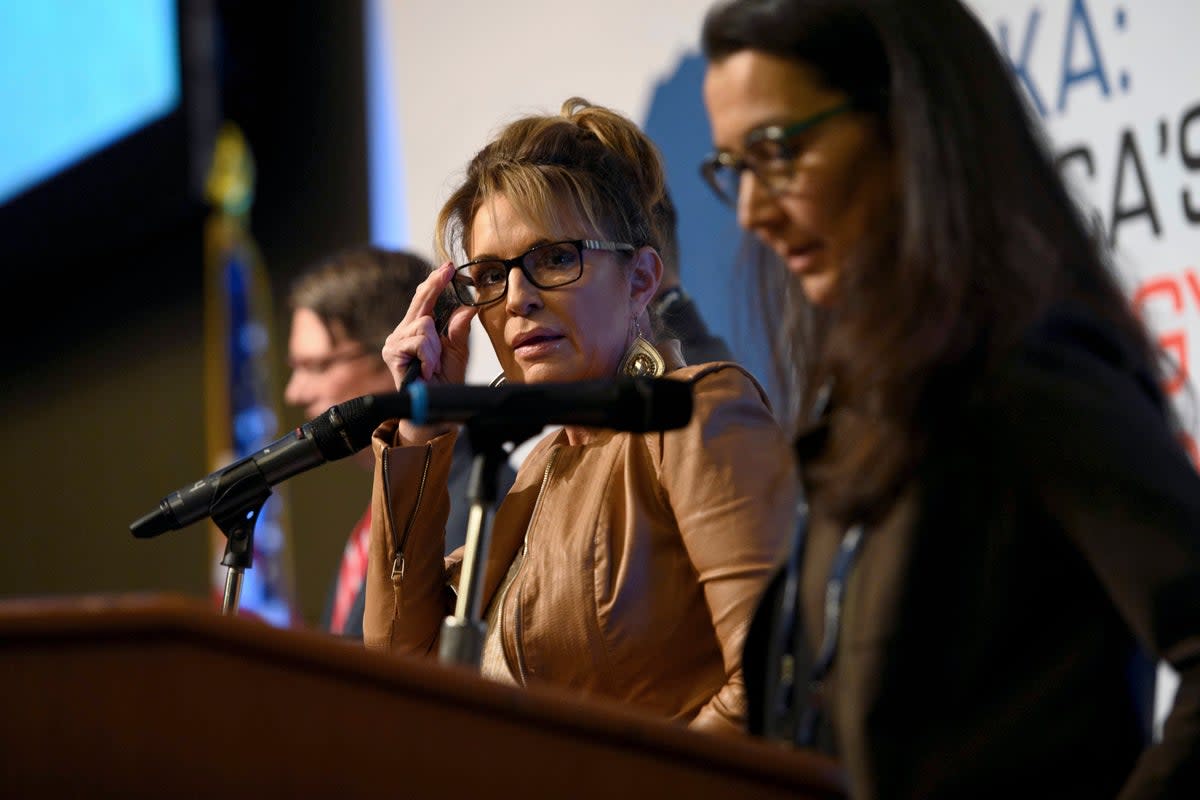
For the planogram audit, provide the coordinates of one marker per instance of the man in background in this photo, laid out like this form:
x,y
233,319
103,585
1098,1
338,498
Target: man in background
x,y
342,309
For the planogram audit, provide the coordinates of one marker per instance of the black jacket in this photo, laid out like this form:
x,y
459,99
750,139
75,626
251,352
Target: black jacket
x,y
999,622
678,318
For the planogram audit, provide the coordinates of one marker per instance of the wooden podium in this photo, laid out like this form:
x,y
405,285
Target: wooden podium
x,y
161,696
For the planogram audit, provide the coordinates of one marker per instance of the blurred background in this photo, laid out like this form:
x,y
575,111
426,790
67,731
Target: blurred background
x,y
118,104
113,110
359,117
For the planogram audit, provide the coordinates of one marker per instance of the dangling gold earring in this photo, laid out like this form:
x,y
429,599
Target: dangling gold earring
x,y
641,360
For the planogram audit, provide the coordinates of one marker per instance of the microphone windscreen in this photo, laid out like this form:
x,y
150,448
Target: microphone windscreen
x,y
155,523
663,404
345,428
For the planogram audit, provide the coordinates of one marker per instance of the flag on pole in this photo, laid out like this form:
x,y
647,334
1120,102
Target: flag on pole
x,y
241,412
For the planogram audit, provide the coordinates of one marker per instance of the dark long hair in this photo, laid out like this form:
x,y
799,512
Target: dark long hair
x,y
982,238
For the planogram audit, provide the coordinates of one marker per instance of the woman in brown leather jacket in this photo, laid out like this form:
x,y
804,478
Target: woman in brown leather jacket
x,y
1004,528
623,565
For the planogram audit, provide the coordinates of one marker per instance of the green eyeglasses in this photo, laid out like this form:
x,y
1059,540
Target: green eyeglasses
x,y
769,153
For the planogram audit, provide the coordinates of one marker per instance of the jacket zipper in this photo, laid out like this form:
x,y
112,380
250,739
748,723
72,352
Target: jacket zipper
x,y
537,505
398,557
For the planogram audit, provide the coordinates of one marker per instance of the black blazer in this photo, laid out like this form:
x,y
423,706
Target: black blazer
x,y
1000,622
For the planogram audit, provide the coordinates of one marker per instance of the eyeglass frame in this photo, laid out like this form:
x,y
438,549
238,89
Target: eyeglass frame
x,y
518,262
779,134
320,366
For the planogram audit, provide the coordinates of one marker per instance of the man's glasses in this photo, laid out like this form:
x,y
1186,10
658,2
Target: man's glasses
x,y
769,153
319,366
546,266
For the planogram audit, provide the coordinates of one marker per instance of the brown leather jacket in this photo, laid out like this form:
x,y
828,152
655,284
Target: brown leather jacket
x,y
645,554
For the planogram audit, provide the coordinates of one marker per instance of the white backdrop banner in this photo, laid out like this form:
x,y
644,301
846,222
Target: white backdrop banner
x,y
1116,86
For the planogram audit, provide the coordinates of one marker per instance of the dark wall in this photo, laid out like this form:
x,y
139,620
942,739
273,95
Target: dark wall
x,y
102,409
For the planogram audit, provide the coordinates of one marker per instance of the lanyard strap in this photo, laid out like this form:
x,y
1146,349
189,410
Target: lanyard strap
x,y
779,714
835,589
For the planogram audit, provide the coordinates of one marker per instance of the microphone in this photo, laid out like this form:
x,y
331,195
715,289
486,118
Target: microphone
x,y
340,431
625,404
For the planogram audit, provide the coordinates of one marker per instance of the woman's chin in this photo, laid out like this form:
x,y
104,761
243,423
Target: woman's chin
x,y
819,288
544,373
550,371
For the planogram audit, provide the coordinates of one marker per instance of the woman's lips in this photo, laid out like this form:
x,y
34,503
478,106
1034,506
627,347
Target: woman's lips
x,y
802,259
537,346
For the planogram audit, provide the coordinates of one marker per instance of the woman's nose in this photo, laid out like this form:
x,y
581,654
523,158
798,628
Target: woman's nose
x,y
756,207
521,296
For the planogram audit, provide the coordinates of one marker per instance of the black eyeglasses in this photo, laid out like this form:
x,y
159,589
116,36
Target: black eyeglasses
x,y
769,153
546,266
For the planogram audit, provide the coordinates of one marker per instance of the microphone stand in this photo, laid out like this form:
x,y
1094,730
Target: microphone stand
x,y
463,633
236,512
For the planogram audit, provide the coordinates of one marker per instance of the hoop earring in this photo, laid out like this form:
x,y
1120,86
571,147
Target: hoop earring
x,y
641,360
497,381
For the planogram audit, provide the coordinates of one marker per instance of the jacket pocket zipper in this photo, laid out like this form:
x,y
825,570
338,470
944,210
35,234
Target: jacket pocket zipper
x,y
398,556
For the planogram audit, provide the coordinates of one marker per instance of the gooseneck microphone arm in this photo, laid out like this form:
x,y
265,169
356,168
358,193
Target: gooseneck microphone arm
x,y
234,495
625,404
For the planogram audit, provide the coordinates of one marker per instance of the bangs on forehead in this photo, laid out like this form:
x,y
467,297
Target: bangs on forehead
x,y
548,200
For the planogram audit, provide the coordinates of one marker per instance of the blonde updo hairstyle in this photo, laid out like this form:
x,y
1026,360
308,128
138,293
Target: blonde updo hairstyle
x,y
585,165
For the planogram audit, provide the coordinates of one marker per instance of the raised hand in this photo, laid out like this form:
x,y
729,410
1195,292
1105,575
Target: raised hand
x,y
443,356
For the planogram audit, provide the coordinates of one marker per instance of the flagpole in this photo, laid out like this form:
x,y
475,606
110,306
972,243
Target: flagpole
x,y
241,395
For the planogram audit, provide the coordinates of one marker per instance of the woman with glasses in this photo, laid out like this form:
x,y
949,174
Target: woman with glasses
x,y
621,565
1003,525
